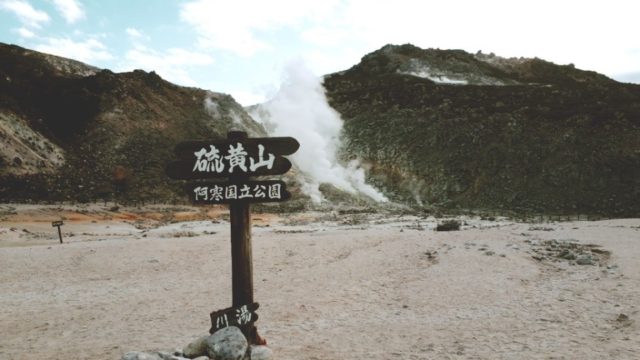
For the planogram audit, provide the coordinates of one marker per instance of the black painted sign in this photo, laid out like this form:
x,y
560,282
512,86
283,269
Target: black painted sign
x,y
239,316
244,157
247,191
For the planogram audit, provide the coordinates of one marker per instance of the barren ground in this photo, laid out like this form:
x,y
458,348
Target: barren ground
x,y
330,286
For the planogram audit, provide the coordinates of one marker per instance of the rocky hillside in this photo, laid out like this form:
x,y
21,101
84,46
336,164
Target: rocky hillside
x,y
439,128
72,131
453,129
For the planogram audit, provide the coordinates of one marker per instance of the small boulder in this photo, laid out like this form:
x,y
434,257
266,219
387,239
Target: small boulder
x,y
196,348
169,356
585,260
260,352
227,344
567,255
165,355
448,225
139,355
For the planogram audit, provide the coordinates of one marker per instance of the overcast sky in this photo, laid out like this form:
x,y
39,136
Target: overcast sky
x,y
240,47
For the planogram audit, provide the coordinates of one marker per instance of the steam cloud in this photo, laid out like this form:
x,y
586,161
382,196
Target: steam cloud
x,y
300,109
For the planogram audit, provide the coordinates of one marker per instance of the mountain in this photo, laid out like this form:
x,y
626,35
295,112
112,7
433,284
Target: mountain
x,y
452,129
73,131
436,128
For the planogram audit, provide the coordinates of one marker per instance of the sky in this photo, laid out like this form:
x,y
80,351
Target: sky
x,y
241,47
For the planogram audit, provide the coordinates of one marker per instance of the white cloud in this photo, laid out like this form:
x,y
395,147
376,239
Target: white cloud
x,y
594,36
25,33
239,26
88,51
247,98
26,13
173,64
326,62
71,10
629,77
134,33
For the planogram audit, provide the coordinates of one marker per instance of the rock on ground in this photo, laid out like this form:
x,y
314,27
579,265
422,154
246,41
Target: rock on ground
x,y
585,260
139,355
227,344
159,355
196,348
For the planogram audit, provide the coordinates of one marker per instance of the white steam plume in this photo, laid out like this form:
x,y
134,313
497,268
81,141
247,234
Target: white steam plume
x,y
300,109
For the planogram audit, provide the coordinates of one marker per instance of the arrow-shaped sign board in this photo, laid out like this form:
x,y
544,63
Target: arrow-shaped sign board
x,y
241,158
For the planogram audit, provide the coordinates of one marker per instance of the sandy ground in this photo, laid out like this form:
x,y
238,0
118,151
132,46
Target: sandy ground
x,y
330,286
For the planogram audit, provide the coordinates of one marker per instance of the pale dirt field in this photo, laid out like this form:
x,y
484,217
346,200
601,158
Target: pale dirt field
x,y
330,287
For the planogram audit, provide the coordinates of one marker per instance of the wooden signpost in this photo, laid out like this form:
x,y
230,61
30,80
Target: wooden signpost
x,y
237,159
58,224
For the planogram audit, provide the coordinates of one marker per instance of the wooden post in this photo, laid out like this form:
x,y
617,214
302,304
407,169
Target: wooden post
x,y
241,253
58,224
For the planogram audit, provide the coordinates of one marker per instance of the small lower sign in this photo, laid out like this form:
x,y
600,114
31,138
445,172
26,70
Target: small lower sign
x,y
57,223
247,191
239,316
